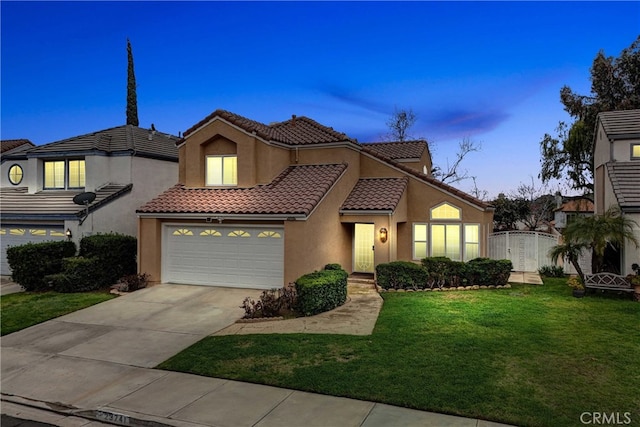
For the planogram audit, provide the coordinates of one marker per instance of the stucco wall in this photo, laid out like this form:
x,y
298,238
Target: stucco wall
x,y
601,153
217,138
4,173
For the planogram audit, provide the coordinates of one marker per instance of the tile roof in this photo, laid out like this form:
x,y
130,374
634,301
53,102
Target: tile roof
x,y
17,203
375,194
577,205
296,131
399,150
296,191
625,179
11,146
117,139
621,124
426,178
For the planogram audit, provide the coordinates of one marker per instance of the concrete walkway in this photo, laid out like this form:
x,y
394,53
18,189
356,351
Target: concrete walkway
x,y
7,286
527,277
95,366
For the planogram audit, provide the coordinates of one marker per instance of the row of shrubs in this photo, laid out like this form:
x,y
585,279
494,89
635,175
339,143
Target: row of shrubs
x,y
442,272
102,260
311,294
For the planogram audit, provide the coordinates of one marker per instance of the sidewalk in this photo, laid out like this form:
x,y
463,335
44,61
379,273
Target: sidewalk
x,y
95,367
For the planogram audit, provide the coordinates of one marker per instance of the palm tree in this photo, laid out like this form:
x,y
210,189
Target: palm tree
x,y
571,252
601,232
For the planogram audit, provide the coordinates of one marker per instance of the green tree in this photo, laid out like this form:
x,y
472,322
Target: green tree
x,y
571,252
602,233
615,85
132,97
509,211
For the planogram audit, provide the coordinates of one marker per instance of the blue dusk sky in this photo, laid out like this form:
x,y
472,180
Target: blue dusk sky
x,y
487,71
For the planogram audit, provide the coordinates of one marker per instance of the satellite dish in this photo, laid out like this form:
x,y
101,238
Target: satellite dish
x,y
84,198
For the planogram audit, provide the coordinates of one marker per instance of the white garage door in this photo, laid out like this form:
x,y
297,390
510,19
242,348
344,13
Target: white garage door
x,y
243,257
21,234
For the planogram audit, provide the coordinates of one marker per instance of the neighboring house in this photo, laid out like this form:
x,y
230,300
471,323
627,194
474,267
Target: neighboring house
x,y
123,166
571,208
260,205
617,172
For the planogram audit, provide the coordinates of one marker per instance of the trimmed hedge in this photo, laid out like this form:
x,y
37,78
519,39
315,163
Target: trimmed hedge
x,y
78,275
401,275
31,262
116,253
321,291
441,272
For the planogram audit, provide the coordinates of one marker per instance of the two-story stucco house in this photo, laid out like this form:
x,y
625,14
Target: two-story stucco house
x,y
259,205
123,166
617,172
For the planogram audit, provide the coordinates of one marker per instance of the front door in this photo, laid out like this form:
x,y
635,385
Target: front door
x,y
363,242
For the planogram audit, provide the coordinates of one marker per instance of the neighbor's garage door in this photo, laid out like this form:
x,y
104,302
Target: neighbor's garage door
x,y
21,234
243,257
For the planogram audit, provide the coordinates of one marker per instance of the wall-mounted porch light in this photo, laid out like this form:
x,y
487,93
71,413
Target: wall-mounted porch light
x,y
68,233
383,234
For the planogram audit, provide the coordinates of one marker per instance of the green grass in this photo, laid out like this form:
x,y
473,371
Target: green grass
x,y
24,309
529,356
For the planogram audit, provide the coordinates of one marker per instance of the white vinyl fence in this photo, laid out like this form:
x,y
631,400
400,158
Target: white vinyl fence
x,y
527,250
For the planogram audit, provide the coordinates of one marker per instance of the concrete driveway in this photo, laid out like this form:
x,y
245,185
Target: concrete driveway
x,y
69,358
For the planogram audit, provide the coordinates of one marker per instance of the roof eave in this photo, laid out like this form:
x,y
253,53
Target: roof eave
x,y
210,216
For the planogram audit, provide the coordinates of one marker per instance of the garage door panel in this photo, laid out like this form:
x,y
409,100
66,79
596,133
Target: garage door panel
x,y
236,256
22,234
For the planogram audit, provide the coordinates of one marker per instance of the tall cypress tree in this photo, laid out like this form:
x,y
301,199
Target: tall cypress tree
x,y
132,98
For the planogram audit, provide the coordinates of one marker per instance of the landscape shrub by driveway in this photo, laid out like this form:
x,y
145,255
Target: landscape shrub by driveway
x,y
321,291
116,254
78,275
31,262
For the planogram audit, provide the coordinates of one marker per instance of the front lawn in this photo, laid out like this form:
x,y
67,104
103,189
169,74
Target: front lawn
x,y
24,309
528,356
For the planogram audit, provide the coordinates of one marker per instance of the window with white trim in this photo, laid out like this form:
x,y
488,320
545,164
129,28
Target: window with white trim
x,y
221,170
445,241
471,241
419,241
445,211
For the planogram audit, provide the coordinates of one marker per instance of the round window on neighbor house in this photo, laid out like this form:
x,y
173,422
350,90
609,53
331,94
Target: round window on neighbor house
x,y
15,174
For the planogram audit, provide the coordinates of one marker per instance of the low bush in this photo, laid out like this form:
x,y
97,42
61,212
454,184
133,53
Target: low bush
x,y
321,291
485,271
132,282
401,275
443,272
551,271
78,275
30,263
272,303
333,267
117,255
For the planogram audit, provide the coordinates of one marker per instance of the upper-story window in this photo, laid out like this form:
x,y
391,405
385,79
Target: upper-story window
x,y
15,174
445,211
635,151
222,170
61,174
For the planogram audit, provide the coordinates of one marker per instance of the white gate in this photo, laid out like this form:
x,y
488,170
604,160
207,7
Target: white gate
x,y
527,250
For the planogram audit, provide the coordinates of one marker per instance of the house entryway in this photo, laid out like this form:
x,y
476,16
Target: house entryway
x,y
223,255
363,243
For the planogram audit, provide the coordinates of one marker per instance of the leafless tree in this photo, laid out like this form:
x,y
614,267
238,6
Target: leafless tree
x,y
541,202
478,193
399,124
453,173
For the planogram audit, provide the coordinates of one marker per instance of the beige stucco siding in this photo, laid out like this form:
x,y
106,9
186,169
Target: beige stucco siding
x,y
258,163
